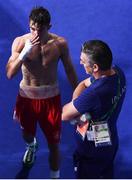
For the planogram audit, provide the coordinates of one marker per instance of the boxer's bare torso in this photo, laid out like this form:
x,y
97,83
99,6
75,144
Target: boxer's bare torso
x,y
40,66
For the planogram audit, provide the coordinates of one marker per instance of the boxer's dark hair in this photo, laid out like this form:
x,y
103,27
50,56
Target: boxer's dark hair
x,y
40,15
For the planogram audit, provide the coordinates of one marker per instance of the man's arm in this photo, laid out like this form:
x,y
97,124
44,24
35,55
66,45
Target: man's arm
x,y
14,63
69,112
21,48
81,87
66,60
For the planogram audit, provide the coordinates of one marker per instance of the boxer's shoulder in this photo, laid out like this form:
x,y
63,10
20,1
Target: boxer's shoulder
x,y
19,41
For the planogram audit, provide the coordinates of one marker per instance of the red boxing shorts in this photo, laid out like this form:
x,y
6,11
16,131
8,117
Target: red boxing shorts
x,y
47,112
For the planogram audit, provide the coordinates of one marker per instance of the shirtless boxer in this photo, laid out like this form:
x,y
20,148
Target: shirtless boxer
x,y
37,54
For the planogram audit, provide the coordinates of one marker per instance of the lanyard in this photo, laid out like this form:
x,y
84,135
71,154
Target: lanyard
x,y
107,115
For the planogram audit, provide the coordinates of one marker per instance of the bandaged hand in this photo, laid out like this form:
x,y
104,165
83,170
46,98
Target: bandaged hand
x,y
26,50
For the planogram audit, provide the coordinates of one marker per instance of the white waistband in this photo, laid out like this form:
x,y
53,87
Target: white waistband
x,y
39,92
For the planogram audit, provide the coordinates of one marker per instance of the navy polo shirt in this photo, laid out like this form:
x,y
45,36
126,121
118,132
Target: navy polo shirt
x,y
98,99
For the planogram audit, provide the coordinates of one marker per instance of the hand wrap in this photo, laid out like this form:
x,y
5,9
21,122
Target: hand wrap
x,y
27,48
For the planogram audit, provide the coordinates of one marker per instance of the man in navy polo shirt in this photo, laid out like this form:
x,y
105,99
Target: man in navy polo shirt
x,y
96,105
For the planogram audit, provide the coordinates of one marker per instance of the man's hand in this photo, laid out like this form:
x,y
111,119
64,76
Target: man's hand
x,y
35,40
81,119
30,43
81,87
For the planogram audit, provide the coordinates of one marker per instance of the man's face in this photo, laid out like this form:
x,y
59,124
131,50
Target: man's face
x,y
35,29
84,60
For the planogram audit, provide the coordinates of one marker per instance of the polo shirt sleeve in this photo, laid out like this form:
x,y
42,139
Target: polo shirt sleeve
x,y
86,102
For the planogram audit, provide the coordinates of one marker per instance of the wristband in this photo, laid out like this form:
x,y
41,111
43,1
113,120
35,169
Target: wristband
x,y
27,48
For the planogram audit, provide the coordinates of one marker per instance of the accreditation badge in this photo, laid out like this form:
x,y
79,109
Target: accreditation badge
x,y
101,134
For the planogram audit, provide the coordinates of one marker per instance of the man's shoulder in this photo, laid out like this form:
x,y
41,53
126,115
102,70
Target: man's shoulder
x,y
119,71
22,38
59,39
19,42
117,68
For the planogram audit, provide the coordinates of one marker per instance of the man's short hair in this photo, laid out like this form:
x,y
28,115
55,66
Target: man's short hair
x,y
99,53
40,15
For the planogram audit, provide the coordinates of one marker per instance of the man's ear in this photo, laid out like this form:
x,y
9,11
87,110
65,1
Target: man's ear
x,y
95,68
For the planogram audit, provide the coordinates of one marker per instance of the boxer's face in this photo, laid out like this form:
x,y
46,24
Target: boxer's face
x,y
36,29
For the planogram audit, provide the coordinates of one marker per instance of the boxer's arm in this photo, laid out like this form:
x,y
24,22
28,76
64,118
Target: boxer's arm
x,y
21,48
67,62
14,63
